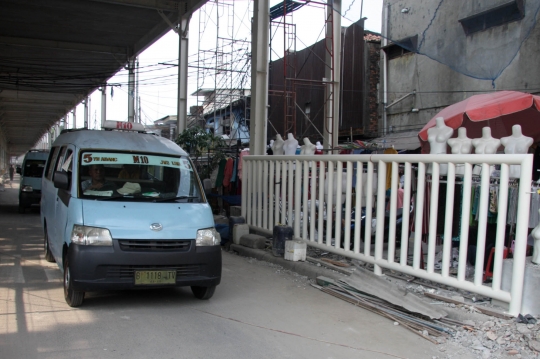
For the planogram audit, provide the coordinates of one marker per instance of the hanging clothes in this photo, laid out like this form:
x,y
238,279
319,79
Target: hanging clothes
x,y
389,151
235,169
221,172
534,216
512,205
227,174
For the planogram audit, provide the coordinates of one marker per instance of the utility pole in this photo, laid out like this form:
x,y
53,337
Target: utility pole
x,y
131,90
183,36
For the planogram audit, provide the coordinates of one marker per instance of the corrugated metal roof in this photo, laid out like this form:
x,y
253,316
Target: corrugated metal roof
x,y
286,7
400,140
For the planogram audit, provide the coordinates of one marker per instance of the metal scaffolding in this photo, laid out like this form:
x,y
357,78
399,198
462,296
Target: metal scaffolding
x,y
223,72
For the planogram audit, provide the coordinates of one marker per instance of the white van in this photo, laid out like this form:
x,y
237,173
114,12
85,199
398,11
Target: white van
x,y
126,209
30,183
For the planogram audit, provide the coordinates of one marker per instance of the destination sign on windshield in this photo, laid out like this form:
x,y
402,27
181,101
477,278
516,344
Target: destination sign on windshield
x,y
92,158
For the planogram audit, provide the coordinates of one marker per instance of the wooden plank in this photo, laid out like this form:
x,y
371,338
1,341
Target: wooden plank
x,y
483,310
328,265
336,263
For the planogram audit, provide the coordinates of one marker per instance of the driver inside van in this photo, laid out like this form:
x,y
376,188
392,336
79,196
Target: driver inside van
x,y
97,180
130,172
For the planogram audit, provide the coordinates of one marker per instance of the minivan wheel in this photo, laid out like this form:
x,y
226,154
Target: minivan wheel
x,y
203,292
48,255
73,298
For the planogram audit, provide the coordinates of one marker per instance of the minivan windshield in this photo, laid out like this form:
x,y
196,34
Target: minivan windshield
x,y
33,168
128,176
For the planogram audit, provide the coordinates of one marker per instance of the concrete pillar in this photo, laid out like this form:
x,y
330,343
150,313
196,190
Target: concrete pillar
x,y
103,105
182,73
332,73
86,100
259,76
74,124
131,90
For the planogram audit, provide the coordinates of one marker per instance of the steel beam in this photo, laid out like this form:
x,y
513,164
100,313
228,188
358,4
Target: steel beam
x,y
166,5
62,45
4,101
153,35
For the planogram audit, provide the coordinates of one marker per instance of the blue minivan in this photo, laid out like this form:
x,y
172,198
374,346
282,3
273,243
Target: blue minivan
x,y
124,210
30,183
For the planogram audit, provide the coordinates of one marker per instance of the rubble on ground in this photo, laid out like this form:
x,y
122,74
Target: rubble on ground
x,y
479,335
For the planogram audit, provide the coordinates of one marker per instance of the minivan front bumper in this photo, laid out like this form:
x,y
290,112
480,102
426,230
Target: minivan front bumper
x,y
26,199
96,268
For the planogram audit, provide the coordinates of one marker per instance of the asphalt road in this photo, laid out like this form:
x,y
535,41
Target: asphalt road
x,y
258,311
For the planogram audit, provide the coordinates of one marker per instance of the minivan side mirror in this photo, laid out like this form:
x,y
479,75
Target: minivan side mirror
x,y
61,180
18,170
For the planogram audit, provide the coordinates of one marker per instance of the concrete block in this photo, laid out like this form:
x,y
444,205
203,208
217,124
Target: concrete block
x,y
238,231
531,290
295,250
232,221
236,211
253,241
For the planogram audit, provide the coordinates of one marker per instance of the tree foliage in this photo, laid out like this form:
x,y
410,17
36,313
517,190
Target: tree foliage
x,y
200,144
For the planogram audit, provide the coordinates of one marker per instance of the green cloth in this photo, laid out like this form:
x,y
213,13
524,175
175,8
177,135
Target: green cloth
x,y
220,174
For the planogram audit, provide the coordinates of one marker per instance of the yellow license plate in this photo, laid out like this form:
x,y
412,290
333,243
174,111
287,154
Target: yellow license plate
x,y
155,277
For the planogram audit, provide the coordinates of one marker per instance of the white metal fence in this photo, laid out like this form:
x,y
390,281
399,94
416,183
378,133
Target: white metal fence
x,y
322,198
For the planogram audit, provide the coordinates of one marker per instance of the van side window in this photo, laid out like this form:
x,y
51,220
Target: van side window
x,y
60,162
51,162
68,161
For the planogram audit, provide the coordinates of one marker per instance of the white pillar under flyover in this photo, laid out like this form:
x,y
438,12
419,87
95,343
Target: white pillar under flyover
x,y
74,124
181,109
131,90
259,76
332,73
86,100
103,105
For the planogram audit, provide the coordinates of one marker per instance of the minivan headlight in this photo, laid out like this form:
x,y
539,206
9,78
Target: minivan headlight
x,y
91,236
207,237
27,189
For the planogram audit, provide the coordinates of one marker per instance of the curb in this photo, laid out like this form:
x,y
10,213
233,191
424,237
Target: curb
x,y
303,268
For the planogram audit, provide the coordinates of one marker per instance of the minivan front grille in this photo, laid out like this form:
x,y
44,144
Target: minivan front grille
x,y
154,246
188,270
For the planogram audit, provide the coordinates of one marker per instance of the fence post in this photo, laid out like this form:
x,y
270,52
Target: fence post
x,y
524,201
245,166
379,235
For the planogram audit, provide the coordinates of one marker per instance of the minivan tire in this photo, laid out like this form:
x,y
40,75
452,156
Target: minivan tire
x,y
203,292
22,209
73,297
48,255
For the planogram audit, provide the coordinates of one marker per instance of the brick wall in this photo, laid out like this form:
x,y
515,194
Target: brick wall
x,y
373,73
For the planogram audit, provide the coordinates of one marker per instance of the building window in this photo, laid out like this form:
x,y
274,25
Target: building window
x,y
500,15
401,47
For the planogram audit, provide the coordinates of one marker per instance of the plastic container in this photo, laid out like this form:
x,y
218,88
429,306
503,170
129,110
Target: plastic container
x,y
280,235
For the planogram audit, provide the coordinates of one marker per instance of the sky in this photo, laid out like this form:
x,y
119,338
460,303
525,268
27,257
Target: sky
x,y
158,75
